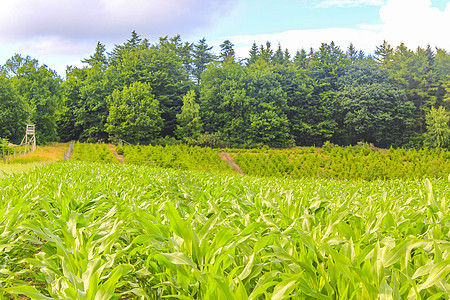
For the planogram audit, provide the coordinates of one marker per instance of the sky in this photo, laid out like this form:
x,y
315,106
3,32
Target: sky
x,y
63,32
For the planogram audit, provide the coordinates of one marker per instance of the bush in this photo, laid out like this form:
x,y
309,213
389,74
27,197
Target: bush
x,y
212,140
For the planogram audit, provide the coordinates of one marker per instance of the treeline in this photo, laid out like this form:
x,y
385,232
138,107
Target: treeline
x,y
174,91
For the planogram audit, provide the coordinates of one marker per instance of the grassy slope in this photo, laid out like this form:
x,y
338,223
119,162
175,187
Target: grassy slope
x,y
42,156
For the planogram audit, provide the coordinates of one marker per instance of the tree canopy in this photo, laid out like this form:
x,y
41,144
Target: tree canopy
x,y
142,92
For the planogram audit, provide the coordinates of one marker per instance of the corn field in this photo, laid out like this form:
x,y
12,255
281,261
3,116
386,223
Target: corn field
x,y
76,230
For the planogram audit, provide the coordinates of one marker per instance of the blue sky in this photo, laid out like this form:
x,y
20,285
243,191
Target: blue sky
x,y
60,33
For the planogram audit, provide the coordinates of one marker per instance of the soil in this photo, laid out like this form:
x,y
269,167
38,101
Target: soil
x,y
112,148
227,157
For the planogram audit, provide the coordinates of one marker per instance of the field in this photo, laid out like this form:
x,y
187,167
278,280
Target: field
x,y
360,162
91,230
42,156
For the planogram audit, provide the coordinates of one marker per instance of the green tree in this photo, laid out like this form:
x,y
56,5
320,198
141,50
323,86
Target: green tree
x,y
202,57
84,112
99,57
317,111
301,59
227,51
441,66
169,81
413,73
40,88
161,65
189,119
246,104
266,53
254,53
371,108
383,53
438,129
352,53
14,112
134,114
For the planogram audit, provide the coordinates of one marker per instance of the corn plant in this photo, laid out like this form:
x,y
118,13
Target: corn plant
x,y
77,230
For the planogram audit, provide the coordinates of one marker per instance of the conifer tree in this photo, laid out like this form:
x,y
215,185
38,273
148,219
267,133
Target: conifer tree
x,y
254,52
202,56
383,52
227,51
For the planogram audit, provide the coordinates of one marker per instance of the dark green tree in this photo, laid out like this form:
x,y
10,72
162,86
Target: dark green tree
x,y
247,105
301,59
14,112
278,57
39,87
99,57
254,53
227,51
134,114
84,112
202,57
413,73
371,108
319,109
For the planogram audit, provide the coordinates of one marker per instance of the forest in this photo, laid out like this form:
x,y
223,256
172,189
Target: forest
x,y
172,92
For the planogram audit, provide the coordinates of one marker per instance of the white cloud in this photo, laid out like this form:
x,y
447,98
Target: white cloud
x,y
413,22
104,19
349,3
71,28
416,23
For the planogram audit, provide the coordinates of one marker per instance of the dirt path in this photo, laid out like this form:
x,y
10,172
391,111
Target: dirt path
x,y
227,157
112,148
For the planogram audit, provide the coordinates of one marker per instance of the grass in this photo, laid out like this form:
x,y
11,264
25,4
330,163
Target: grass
x,y
43,155
103,231
48,153
15,168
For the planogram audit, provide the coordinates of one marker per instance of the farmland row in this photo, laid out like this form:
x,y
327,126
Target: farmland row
x,y
329,163
77,230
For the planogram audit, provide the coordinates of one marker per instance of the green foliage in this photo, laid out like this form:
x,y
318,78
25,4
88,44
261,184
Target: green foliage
x,y
371,108
363,161
134,114
212,140
176,156
96,231
85,110
438,128
201,58
39,87
420,76
5,149
92,153
191,125
14,112
319,95
245,104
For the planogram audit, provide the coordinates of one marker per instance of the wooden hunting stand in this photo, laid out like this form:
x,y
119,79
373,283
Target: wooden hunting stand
x,y
29,140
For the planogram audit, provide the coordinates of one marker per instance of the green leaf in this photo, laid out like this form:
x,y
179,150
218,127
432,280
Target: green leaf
x,y
437,273
178,258
107,289
29,291
283,289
